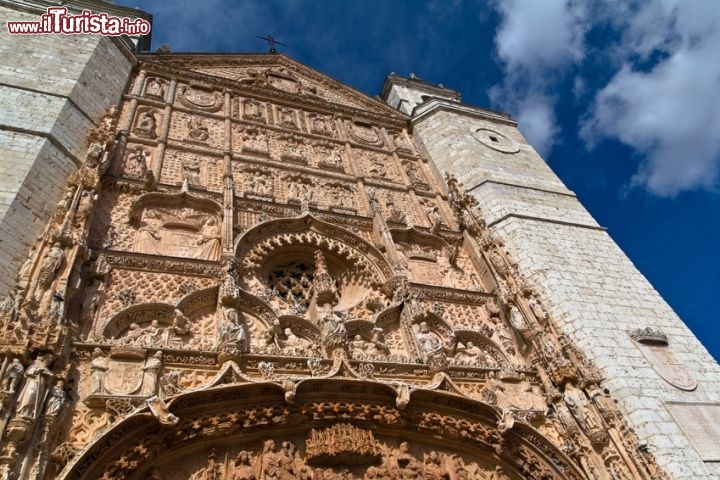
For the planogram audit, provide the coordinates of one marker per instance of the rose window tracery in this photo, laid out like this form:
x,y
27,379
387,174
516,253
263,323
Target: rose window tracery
x,y
293,281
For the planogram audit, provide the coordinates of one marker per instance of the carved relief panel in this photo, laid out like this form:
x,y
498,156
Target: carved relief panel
x,y
254,181
250,110
197,130
138,161
199,97
320,124
251,140
147,121
377,166
179,232
201,171
338,451
364,133
286,117
396,206
293,148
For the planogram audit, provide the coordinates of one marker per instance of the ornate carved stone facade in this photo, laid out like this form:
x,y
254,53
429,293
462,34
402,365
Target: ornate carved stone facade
x,y
255,274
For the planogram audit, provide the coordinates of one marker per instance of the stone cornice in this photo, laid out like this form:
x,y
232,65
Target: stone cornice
x,y
426,110
181,65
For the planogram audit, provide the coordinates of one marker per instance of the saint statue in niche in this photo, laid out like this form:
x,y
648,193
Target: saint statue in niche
x,y
156,88
231,333
33,392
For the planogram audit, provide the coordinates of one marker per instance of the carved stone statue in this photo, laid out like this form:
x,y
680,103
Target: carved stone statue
x,y
152,336
470,354
51,264
147,125
132,335
286,118
293,345
286,461
191,172
433,215
24,272
32,394
251,109
260,185
268,462
332,159
430,346
537,309
98,367
401,143
413,174
243,470
151,373
320,126
209,240
378,345
56,400
148,234
156,88
333,331
358,347
433,470
13,375
231,333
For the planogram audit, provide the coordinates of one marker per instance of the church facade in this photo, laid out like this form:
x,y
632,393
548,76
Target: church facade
x,y
256,272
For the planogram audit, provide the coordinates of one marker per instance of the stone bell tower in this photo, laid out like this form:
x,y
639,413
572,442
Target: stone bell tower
x,y
54,89
663,379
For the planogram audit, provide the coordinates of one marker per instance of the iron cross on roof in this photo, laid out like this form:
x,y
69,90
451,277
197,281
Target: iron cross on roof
x,y
271,42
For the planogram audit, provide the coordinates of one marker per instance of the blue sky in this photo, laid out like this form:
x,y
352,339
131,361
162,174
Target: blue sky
x,y
622,98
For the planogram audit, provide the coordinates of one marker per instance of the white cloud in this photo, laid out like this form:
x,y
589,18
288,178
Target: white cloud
x,y
536,116
539,35
535,40
662,100
672,112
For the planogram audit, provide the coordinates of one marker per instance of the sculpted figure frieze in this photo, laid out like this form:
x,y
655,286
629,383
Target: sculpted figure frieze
x,y
179,232
341,451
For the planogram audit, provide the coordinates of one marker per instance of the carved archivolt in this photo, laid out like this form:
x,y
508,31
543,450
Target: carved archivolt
x,y
333,427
